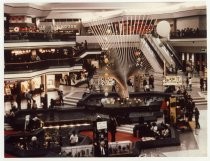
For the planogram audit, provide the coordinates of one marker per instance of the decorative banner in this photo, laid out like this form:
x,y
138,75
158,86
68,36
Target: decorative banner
x,y
163,28
172,80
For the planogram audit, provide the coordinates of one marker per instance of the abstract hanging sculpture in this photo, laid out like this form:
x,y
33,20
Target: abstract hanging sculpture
x,y
120,37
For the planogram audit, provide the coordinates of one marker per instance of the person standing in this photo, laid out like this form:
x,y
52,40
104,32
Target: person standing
x,y
34,105
197,113
18,100
73,138
112,128
144,84
190,83
85,45
60,93
201,83
187,82
113,85
150,81
103,149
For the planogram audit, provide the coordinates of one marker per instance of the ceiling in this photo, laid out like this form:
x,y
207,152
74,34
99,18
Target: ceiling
x,y
49,10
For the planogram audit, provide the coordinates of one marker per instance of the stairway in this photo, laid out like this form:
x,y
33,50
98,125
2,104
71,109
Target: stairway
x,y
202,100
71,100
7,127
126,128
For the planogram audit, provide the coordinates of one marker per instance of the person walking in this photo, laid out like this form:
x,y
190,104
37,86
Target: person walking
x,y
197,113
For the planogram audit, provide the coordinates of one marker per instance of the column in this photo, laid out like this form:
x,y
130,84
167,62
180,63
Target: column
x,y
44,97
188,56
183,62
183,56
193,59
200,63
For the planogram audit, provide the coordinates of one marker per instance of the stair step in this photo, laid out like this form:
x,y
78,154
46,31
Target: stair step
x,y
70,103
129,132
71,100
67,106
198,98
72,97
203,100
125,128
201,103
8,128
127,125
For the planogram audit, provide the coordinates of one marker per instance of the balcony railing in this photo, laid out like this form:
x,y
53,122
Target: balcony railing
x,y
188,34
38,36
38,65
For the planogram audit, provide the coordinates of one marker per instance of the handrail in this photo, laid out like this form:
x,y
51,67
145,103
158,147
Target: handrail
x,y
42,64
38,36
183,35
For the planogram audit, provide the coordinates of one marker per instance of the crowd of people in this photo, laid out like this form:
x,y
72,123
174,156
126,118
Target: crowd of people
x,y
152,129
188,33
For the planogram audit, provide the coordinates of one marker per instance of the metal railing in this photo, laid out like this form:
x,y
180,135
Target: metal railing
x,y
38,65
38,36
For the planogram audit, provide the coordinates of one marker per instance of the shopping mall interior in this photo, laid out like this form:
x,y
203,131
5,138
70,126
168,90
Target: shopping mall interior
x,y
111,79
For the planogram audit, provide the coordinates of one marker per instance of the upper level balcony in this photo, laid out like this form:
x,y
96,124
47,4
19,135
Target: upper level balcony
x,y
188,33
38,36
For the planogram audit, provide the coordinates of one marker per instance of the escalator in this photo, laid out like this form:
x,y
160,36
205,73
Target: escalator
x,y
150,55
174,53
157,57
163,53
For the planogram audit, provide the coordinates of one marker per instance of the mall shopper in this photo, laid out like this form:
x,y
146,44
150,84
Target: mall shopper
x,y
85,45
201,83
18,100
112,128
34,105
187,83
190,83
113,85
60,94
197,113
28,96
13,110
103,149
151,81
73,138
144,84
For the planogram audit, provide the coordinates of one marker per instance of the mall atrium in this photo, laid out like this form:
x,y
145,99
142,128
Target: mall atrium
x,y
111,79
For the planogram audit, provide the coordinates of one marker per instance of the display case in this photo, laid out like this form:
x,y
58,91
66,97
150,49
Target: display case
x,y
120,148
77,151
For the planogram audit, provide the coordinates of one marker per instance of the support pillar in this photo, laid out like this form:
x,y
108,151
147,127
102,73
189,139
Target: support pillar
x,y
45,96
